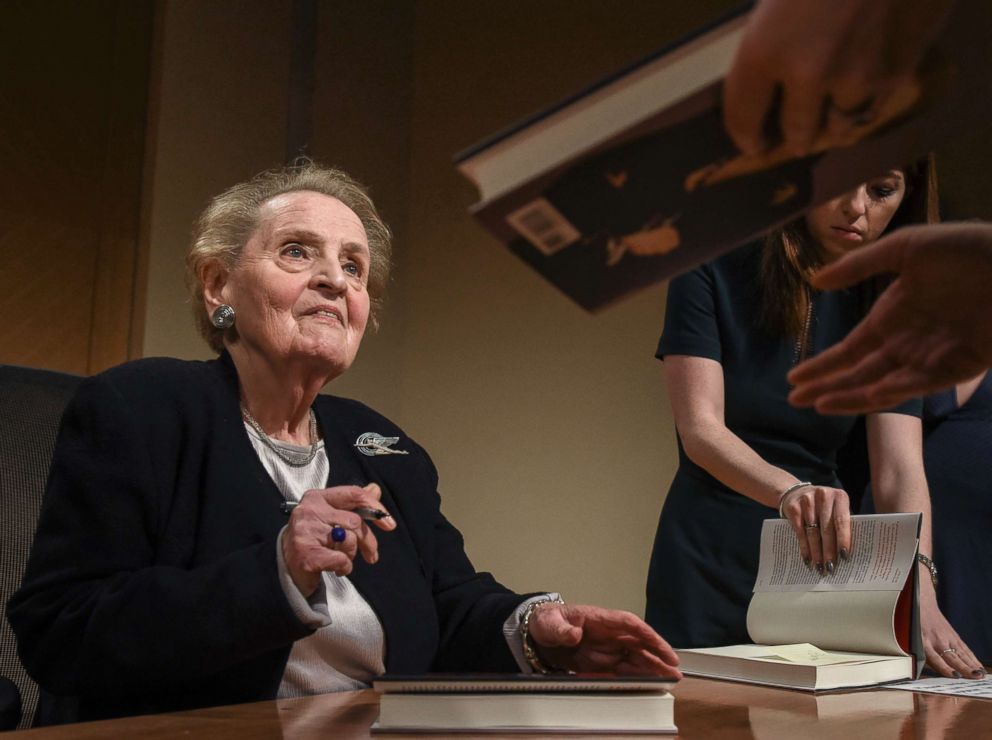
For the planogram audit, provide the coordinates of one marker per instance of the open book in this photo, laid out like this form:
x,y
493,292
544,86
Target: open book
x,y
474,703
857,627
634,180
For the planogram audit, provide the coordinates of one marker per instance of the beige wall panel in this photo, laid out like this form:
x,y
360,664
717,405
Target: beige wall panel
x,y
550,427
362,97
222,118
71,117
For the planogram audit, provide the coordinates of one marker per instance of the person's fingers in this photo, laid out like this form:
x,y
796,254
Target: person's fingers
x,y
341,539
936,661
373,490
368,545
811,528
803,108
645,663
313,559
859,350
900,385
748,99
792,509
954,662
607,628
885,255
334,561
826,501
842,529
949,655
963,661
347,497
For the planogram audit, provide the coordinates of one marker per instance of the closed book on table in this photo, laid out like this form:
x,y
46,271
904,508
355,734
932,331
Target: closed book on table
x,y
473,703
635,180
857,627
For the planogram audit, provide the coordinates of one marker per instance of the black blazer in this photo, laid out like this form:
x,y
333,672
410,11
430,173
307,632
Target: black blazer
x,y
152,583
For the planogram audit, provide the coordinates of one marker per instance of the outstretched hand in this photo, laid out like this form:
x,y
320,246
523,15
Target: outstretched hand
x,y
590,639
931,328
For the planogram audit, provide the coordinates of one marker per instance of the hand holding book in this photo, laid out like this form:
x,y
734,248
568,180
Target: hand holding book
x,y
815,65
821,520
590,639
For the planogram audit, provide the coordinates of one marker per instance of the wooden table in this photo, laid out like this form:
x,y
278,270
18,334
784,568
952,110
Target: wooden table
x,y
703,709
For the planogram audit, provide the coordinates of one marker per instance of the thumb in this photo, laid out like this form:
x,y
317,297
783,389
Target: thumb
x,y
885,255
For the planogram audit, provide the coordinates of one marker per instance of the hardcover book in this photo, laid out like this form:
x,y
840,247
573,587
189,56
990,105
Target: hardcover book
x,y
476,703
635,180
857,627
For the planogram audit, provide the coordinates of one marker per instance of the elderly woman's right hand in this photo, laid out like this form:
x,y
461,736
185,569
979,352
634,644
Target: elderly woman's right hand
x,y
821,518
307,545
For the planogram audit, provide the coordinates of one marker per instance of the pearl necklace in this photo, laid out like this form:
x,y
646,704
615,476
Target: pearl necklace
x,y
293,459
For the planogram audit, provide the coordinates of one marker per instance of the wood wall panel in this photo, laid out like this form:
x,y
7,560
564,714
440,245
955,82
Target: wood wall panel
x,y
73,96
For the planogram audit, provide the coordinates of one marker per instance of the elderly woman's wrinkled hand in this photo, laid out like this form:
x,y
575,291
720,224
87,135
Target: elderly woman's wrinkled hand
x,y
590,639
325,534
821,518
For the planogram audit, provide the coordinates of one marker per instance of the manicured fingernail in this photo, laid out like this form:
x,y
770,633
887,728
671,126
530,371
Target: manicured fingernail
x,y
830,566
844,554
819,568
978,673
809,562
956,674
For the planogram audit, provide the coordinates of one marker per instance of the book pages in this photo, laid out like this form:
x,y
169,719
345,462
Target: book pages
x,y
883,550
852,621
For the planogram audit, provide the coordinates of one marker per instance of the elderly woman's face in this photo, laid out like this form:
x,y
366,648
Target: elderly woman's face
x,y
299,288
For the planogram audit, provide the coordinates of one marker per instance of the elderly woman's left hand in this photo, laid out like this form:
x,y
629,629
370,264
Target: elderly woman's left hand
x,y
589,639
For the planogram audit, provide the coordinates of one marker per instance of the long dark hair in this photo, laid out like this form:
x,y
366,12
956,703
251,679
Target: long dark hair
x,y
790,256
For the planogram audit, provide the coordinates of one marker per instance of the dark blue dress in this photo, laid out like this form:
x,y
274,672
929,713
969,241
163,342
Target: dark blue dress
x,y
957,453
705,554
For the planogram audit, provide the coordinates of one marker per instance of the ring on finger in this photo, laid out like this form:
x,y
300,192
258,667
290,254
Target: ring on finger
x,y
812,525
337,534
949,650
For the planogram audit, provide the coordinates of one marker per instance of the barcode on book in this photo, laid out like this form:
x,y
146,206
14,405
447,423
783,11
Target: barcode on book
x,y
542,225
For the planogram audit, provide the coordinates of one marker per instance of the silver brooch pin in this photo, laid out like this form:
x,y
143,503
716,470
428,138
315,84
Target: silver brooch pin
x,y
373,443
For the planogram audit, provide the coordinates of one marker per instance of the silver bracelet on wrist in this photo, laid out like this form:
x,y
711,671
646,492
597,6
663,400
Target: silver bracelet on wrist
x,y
530,654
787,491
929,565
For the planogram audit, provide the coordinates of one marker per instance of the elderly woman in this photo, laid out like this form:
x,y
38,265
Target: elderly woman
x,y
166,573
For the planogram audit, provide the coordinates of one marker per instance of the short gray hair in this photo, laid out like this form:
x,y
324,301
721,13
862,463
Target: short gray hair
x,y
228,222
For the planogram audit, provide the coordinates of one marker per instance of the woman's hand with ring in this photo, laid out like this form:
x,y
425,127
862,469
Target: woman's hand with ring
x,y
590,639
325,533
946,652
821,519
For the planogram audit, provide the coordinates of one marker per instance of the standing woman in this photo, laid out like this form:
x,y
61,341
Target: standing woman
x,y
733,330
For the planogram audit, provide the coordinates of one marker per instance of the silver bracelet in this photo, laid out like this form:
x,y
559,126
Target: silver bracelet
x,y
929,565
533,660
787,491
